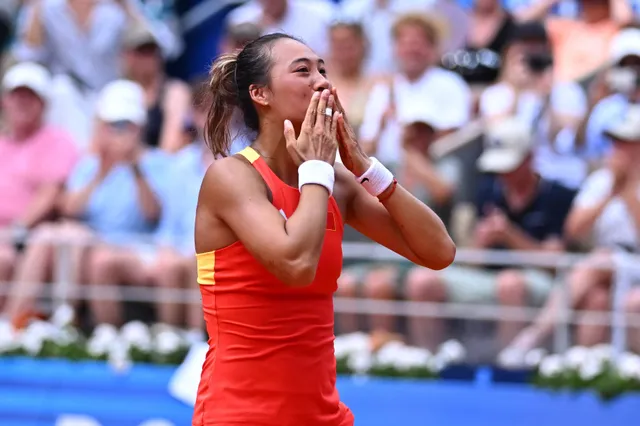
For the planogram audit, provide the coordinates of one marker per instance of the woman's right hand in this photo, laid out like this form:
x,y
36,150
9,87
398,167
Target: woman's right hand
x,y
317,139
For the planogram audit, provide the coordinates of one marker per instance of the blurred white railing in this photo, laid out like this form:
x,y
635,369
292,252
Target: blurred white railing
x,y
63,290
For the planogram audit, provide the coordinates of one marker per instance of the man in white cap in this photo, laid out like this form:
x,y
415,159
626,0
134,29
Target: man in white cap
x,y
612,92
516,210
434,181
117,193
35,160
606,210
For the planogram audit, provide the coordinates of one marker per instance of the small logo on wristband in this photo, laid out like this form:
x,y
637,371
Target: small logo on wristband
x,y
364,180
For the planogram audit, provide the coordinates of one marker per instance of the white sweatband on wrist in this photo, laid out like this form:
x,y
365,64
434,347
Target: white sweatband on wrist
x,y
376,179
316,172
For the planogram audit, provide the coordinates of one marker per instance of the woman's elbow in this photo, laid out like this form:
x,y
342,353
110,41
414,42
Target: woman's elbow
x,y
298,273
442,257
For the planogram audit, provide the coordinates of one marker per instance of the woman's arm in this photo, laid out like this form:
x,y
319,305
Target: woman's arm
x,y
402,224
236,201
290,249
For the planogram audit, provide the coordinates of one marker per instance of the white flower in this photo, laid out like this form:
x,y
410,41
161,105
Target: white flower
x,y
534,357
511,358
452,352
590,369
390,352
602,352
360,362
353,343
551,366
104,336
119,356
167,342
32,338
137,334
576,356
628,366
105,332
63,316
8,337
436,364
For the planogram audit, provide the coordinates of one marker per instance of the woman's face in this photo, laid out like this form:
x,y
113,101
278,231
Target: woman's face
x,y
296,73
347,49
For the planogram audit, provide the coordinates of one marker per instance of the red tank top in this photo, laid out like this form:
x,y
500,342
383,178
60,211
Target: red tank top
x,y
271,360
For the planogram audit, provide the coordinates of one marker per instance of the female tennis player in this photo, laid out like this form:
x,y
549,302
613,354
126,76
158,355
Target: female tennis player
x,y
268,235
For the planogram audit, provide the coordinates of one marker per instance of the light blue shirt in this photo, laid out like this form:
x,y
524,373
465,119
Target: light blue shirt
x,y
604,114
113,210
177,224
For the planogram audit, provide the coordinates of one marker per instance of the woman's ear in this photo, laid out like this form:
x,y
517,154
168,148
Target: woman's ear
x,y
260,94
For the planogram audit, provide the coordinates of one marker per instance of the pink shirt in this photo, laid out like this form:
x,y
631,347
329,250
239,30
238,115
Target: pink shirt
x,y
47,157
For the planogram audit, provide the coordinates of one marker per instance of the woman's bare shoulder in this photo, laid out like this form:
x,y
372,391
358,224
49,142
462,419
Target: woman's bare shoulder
x,y
228,177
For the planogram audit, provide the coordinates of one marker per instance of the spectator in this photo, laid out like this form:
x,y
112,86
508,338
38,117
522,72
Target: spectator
x,y
553,109
612,93
607,208
581,45
116,193
168,100
79,41
416,37
377,17
489,32
237,36
291,17
347,51
433,181
517,210
35,160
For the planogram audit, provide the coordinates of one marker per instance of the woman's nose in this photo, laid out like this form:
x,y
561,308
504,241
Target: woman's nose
x,y
322,83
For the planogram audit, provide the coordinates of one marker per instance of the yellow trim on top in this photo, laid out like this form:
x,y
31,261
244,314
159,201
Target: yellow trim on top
x,y
250,154
206,268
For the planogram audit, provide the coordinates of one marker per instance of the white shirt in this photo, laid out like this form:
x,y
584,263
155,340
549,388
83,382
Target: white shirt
x,y
615,224
555,160
308,20
445,89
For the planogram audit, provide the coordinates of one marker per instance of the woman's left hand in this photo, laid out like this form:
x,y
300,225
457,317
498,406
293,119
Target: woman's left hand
x,y
351,153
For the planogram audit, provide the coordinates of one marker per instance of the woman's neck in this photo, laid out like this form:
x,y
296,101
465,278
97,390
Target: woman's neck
x,y
272,147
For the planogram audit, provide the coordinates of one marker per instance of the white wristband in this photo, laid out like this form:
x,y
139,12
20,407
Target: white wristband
x,y
377,178
316,172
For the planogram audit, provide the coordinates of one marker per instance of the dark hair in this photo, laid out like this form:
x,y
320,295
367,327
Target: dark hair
x,y
230,77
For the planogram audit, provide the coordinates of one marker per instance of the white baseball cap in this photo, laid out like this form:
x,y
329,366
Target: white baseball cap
x,y
29,75
627,129
122,100
507,143
625,43
421,110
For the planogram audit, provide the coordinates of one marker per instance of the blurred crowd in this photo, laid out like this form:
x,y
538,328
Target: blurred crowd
x,y
517,122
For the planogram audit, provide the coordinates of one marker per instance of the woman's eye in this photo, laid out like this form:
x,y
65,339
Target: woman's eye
x,y
323,72
303,69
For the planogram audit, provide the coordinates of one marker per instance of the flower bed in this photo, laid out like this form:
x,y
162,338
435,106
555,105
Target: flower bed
x,y
580,369
597,369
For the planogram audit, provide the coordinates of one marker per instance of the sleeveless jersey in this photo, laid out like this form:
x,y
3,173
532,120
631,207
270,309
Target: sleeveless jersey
x,y
271,358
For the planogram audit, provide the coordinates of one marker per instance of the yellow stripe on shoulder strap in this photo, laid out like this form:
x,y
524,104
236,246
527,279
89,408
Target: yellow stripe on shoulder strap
x,y
250,154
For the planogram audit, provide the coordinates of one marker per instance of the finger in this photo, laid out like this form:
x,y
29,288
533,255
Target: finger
x,y
335,125
289,133
310,118
337,100
328,118
322,106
